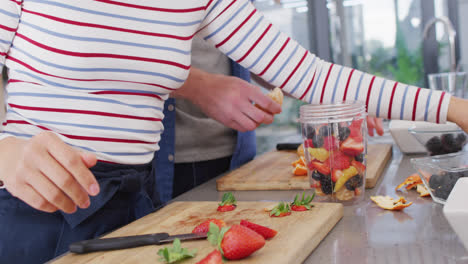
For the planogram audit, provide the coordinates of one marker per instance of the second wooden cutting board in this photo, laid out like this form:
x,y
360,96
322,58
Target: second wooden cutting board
x,y
298,234
273,171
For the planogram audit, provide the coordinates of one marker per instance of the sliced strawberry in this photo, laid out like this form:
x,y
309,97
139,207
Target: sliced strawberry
x,y
338,160
214,257
359,166
299,208
204,227
356,129
336,174
228,203
308,143
320,167
281,214
226,208
240,242
264,231
352,147
330,143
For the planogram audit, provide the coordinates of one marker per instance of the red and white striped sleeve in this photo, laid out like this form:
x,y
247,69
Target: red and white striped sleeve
x,y
246,36
10,11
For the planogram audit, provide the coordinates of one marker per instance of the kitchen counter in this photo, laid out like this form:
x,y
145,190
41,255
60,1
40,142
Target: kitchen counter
x,y
367,233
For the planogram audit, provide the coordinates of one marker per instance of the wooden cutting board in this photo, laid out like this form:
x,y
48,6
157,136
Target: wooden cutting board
x,y
298,234
273,171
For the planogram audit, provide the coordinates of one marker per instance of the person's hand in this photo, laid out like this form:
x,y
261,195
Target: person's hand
x,y
374,123
47,174
456,112
229,100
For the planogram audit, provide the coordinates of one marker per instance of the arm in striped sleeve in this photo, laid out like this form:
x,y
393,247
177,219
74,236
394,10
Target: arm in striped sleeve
x,y
9,18
242,33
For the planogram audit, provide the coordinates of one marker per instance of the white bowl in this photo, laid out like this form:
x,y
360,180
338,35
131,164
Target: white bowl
x,y
403,138
456,210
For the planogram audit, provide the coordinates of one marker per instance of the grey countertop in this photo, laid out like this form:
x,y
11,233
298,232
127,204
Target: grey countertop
x,y
368,234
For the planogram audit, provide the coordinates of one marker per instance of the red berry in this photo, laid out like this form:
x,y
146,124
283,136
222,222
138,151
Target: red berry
x,y
264,231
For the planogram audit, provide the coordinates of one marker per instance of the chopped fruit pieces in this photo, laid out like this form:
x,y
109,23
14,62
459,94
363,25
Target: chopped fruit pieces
x,y
264,231
356,129
354,182
175,253
300,150
300,161
352,147
423,192
347,174
213,258
336,174
359,166
319,154
308,143
320,167
345,195
388,203
204,227
300,170
303,204
280,210
412,181
330,143
338,160
228,203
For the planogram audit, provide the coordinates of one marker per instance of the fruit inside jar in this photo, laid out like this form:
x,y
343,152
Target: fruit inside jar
x,y
335,150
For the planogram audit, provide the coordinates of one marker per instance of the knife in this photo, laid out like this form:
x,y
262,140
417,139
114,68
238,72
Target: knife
x,y
287,146
101,244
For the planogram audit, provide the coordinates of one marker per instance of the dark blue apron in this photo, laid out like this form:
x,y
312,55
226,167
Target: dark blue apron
x,y
31,236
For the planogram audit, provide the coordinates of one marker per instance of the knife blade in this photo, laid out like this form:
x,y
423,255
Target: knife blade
x,y
102,244
287,146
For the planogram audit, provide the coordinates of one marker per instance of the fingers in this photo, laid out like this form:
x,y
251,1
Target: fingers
x,y
265,102
370,126
379,126
72,161
35,200
66,187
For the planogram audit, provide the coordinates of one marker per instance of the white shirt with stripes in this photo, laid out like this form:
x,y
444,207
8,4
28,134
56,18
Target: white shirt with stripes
x,y
97,73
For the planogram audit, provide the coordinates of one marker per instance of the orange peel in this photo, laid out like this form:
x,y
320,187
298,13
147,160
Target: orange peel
x,y
300,150
412,181
421,189
301,161
300,170
388,203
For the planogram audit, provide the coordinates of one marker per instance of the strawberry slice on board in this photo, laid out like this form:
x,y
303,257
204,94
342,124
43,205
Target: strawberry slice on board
x,y
352,147
264,231
280,210
302,204
214,257
204,227
228,203
237,242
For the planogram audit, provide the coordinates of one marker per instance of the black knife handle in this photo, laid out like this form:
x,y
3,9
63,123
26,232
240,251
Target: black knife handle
x,y
93,245
287,146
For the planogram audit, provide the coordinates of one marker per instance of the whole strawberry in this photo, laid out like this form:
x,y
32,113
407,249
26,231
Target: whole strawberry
x,y
240,242
236,242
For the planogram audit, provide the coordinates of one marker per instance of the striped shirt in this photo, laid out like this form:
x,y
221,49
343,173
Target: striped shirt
x,y
97,73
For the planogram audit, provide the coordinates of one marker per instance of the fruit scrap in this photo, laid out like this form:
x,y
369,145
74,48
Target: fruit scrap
x,y
213,258
412,181
175,253
264,231
303,204
300,161
236,242
204,227
423,192
280,210
299,170
387,202
228,203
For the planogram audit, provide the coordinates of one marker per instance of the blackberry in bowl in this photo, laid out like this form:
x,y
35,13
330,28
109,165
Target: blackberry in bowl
x,y
440,139
440,173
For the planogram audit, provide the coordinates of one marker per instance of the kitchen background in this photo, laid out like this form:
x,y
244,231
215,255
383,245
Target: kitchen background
x,y
383,37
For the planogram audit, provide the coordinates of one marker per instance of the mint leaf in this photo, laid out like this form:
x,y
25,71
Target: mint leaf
x,y
175,253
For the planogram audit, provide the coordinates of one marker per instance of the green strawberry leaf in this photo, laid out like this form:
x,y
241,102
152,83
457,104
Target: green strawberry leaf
x,y
282,207
175,253
305,201
213,234
228,199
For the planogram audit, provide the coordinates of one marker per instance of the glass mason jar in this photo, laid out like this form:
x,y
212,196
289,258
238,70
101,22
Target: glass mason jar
x,y
335,147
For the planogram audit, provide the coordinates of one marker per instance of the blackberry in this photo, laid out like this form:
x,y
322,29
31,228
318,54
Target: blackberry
x,y
324,131
354,182
461,138
434,146
327,186
443,184
449,143
435,181
343,133
309,131
359,158
317,175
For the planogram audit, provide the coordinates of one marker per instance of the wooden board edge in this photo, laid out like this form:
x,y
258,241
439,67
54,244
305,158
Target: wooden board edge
x,y
371,182
267,186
